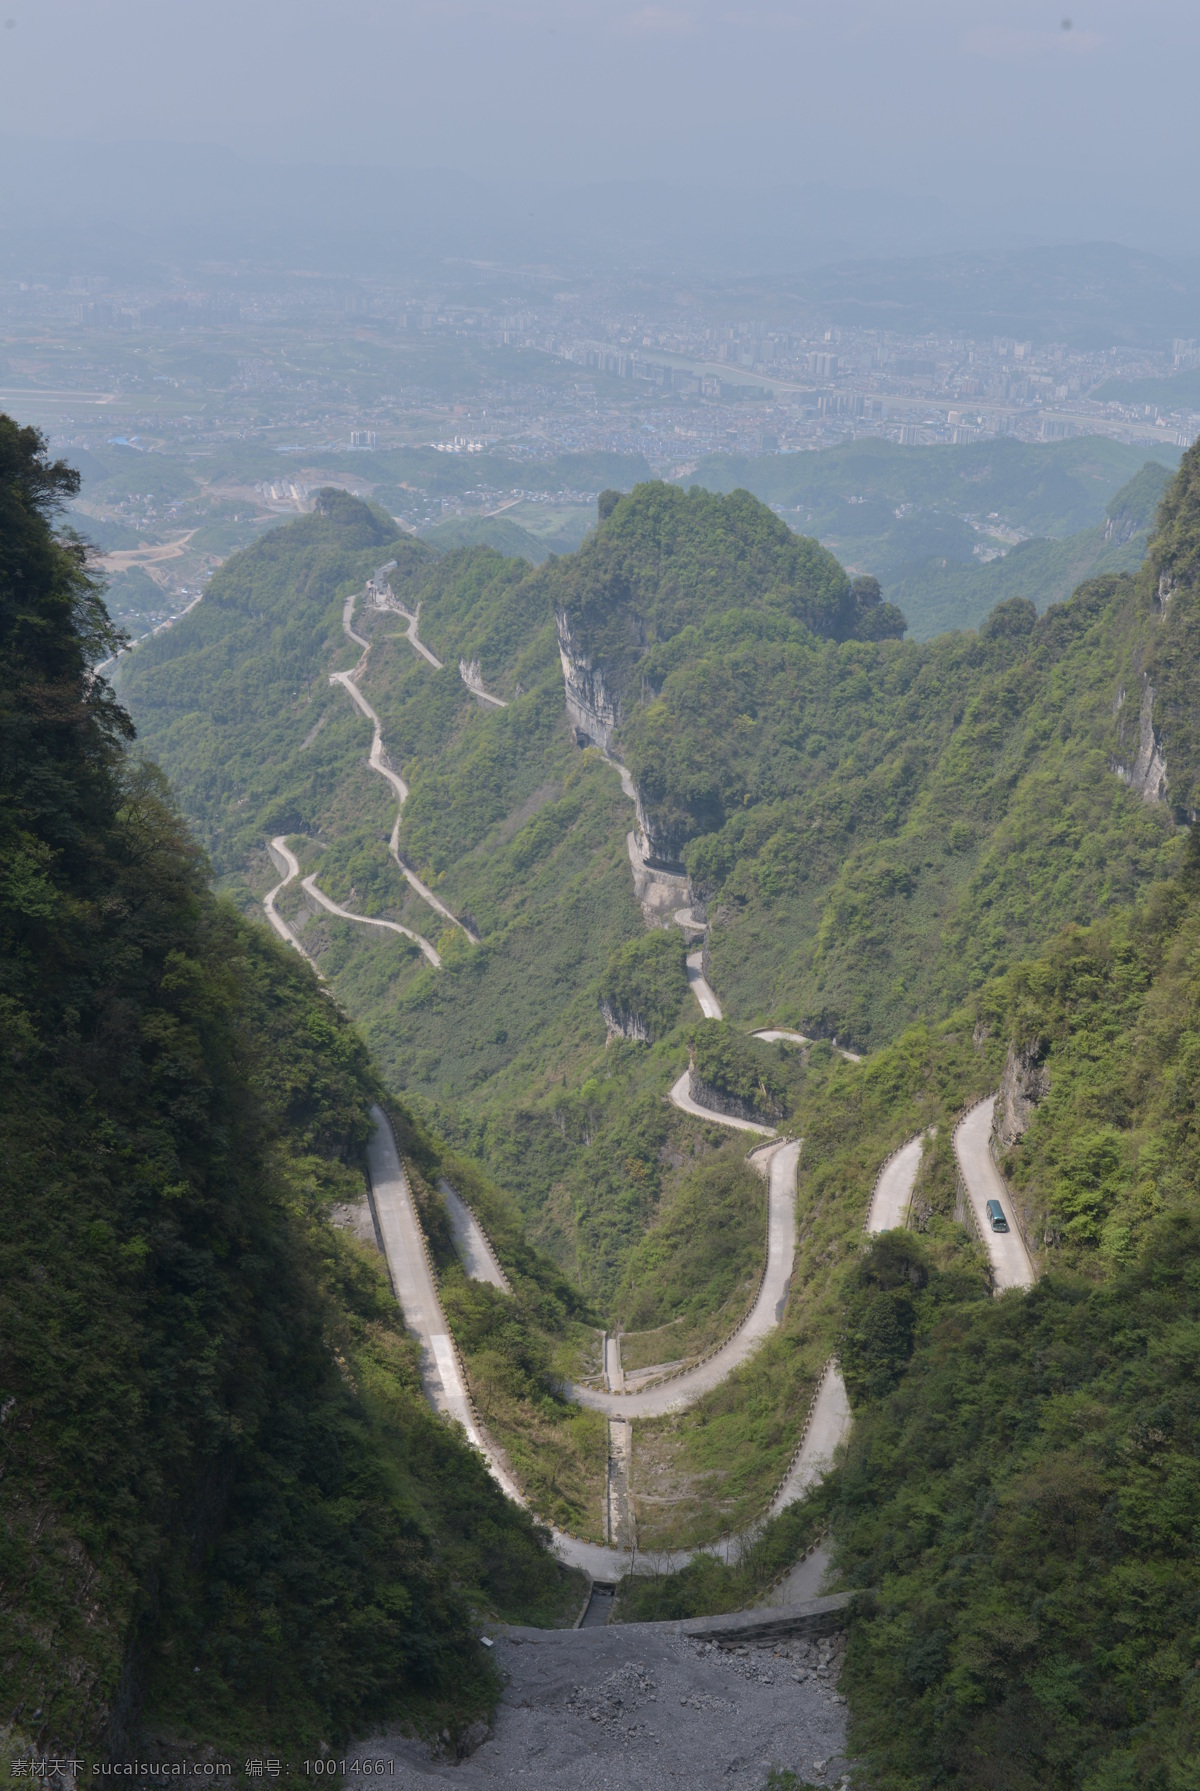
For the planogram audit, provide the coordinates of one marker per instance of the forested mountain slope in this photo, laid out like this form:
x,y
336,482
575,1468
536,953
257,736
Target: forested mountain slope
x,y
877,826
1021,1493
229,1518
919,518
943,592
968,854
1023,1489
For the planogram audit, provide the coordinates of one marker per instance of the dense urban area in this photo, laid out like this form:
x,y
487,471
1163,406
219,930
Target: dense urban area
x,y
270,391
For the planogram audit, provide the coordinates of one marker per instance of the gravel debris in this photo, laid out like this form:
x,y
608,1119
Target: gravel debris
x,y
618,1709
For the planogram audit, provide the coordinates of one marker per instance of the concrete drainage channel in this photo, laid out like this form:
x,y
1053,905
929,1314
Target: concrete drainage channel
x,y
599,1607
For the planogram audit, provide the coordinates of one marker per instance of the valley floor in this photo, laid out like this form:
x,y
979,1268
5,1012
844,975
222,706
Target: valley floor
x,y
645,1709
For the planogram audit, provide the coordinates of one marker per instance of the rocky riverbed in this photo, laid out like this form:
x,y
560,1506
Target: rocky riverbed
x,y
636,1709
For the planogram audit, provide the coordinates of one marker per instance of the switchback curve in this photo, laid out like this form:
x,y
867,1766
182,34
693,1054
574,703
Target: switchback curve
x,y
779,1162
377,760
309,886
1011,1265
291,865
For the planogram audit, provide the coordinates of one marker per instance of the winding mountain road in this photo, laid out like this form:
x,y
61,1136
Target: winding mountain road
x,y
828,1426
472,678
829,1417
893,1187
442,1379
422,889
445,1386
1011,1266
377,760
279,850
468,669
680,1096
769,1034
309,886
412,1279
471,1241
414,638
710,1007
779,1162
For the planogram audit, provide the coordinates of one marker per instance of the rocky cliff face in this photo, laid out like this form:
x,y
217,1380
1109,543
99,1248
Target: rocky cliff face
x,y
624,1023
1119,530
707,1096
1026,1081
591,708
1148,773
663,845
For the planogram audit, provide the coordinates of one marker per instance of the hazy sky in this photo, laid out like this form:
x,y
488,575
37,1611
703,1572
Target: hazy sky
x,y
979,103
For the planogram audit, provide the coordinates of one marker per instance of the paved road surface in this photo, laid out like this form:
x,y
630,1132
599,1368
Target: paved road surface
x,y
414,638
680,1096
280,850
375,759
441,1376
400,1229
829,1425
474,683
309,886
770,1034
762,1319
471,1241
423,890
1010,1259
893,1189
710,1007
627,783
614,1371
806,1580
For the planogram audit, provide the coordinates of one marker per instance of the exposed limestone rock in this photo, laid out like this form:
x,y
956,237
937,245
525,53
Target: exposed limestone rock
x,y
1119,531
357,1218
705,1095
1148,773
1026,1081
661,847
593,712
591,709
1166,585
661,893
624,1024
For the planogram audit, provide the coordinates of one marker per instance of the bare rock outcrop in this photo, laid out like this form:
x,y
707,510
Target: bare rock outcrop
x,y
705,1095
1026,1081
1148,773
624,1023
591,707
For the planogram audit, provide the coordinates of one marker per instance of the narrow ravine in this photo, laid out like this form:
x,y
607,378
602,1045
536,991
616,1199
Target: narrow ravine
x,y
828,1420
